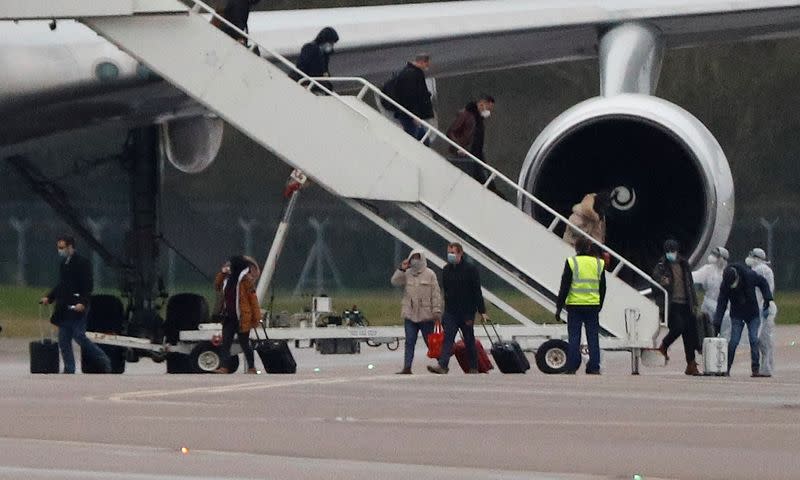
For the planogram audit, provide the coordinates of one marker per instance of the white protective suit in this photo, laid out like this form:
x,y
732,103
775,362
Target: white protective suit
x,y
766,336
709,277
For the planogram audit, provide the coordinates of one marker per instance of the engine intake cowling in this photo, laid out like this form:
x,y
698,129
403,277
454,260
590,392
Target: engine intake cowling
x,y
668,174
191,144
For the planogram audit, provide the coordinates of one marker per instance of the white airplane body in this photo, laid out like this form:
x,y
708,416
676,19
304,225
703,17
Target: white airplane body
x,y
69,77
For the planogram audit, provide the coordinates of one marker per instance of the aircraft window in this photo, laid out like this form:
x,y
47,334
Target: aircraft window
x,y
106,71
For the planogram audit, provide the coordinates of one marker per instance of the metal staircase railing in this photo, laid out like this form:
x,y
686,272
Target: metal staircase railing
x,y
198,7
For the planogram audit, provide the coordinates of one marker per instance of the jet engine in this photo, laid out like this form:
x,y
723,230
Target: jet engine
x,y
192,143
667,175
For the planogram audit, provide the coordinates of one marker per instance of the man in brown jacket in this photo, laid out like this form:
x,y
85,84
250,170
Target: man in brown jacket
x,y
422,301
469,132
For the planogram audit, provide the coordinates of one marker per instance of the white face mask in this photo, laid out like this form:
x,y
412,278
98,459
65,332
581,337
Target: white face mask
x,y
415,263
327,47
750,262
486,113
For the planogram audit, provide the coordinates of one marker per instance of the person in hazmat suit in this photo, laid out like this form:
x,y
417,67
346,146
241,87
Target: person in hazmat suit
x,y
757,260
709,278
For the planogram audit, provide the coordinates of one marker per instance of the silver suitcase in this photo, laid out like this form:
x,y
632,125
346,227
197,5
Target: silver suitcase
x,y
715,356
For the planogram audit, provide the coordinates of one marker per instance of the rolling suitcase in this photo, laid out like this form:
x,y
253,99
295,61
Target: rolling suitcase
x,y
715,356
274,354
508,355
460,352
44,352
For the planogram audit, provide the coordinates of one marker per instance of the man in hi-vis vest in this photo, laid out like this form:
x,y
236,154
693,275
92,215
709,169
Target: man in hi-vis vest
x,y
583,290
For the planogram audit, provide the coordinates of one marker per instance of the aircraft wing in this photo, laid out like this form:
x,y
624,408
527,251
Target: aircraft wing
x,y
49,80
477,36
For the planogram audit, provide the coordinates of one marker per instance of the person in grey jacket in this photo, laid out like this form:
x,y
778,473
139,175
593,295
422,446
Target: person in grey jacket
x,y
422,301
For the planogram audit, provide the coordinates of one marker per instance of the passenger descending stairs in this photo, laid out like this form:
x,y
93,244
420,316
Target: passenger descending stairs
x,y
355,152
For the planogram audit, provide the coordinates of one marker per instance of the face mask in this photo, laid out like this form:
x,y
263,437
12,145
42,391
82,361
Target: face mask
x,y
327,47
415,263
451,258
62,252
750,262
486,113
713,259
672,256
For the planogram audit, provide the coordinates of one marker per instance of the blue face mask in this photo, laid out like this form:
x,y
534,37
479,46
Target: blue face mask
x,y
451,258
672,256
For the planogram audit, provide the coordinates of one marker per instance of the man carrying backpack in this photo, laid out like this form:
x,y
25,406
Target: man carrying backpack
x,y
408,88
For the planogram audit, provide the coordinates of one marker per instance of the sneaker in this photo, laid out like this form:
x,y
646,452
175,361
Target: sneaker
x,y
405,371
691,369
252,371
222,370
663,351
438,369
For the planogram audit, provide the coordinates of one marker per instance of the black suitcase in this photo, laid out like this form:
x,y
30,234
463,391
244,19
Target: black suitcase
x,y
44,352
44,356
508,355
274,354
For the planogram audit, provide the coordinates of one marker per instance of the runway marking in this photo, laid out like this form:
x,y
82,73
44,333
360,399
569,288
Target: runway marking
x,y
238,387
41,473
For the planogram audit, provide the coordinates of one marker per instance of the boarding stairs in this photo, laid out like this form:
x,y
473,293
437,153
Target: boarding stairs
x,y
354,151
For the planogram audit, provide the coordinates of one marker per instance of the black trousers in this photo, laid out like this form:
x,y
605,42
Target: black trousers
x,y
681,324
229,329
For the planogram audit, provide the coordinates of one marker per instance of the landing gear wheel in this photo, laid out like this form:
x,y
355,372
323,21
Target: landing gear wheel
x,y
551,357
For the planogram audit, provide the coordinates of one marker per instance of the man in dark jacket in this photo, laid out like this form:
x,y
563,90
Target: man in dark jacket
x,y
315,56
71,297
583,291
738,287
237,12
411,92
675,275
461,285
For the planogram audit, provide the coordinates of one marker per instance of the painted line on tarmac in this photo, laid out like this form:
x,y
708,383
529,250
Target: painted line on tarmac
x,y
47,473
238,387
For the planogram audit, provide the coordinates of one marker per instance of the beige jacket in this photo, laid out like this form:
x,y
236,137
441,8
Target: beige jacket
x,y
584,217
422,300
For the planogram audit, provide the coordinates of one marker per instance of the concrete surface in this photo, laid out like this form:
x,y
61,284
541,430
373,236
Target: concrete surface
x,y
348,421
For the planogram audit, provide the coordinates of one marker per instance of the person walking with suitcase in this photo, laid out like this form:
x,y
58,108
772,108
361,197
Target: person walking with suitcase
x,y
240,311
461,284
422,302
583,291
71,297
739,284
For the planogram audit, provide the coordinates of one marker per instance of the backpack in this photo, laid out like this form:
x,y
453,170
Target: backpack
x,y
390,90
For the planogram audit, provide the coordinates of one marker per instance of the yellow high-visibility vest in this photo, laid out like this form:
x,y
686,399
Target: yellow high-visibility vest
x,y
585,288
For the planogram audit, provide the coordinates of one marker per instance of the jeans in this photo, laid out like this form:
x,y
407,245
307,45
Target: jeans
x,y
411,128
452,324
591,320
681,323
737,325
73,327
412,328
229,328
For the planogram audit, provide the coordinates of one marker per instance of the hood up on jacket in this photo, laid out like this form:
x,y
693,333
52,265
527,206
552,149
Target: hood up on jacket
x,y
586,208
424,264
326,35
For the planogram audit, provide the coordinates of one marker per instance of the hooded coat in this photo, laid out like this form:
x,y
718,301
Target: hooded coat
x,y
422,298
587,219
313,61
248,311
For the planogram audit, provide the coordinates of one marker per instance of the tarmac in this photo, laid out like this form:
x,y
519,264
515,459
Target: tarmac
x,y
351,417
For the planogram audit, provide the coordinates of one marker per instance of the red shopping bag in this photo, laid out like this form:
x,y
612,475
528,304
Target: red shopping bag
x,y
435,340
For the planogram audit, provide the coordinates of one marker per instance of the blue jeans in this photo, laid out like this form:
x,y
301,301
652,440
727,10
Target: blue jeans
x,y
591,320
411,128
452,324
412,328
73,327
737,325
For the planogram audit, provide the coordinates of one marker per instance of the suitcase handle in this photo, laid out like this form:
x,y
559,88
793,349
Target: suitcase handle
x,y
264,329
40,322
493,328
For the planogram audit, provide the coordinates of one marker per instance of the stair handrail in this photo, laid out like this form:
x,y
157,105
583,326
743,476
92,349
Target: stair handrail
x,y
199,5
367,87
